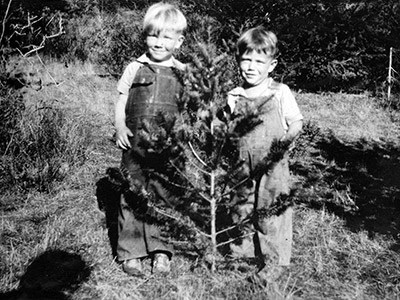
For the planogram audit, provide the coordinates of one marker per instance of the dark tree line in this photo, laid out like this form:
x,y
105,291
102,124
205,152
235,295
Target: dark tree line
x,y
335,45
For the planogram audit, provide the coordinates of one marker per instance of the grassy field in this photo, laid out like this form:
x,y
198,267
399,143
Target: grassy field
x,y
57,245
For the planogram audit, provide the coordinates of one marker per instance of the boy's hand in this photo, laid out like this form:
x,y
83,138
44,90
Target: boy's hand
x,y
284,138
292,132
123,135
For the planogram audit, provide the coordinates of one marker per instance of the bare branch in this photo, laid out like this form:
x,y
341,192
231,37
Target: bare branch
x,y
181,173
189,181
4,21
48,73
232,240
196,155
245,221
198,168
235,186
161,212
205,197
45,38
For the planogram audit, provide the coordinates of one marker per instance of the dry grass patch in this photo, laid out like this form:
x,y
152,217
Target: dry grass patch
x,y
350,116
338,263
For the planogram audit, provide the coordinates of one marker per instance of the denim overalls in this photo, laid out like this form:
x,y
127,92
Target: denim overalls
x,y
155,88
272,239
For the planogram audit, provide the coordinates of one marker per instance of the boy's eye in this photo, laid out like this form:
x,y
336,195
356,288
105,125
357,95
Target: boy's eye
x,y
167,36
248,60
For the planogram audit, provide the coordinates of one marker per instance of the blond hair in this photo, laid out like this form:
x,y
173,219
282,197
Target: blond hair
x,y
163,16
257,39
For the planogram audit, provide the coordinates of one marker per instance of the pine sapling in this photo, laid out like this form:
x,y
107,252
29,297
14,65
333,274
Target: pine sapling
x,y
195,155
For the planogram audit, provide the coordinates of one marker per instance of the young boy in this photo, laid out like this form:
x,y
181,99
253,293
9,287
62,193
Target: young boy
x,y
147,86
282,122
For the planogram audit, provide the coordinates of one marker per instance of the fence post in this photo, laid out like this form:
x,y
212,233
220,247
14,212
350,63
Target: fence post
x,y
390,72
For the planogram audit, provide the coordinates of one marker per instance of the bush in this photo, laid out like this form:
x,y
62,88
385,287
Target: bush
x,y
108,40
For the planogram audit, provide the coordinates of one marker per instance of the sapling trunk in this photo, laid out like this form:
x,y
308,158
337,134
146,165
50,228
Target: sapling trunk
x,y
213,211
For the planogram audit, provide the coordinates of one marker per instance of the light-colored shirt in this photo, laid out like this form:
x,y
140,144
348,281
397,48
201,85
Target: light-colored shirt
x,y
126,80
288,109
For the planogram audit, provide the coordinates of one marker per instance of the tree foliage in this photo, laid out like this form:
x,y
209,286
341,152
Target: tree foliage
x,y
325,45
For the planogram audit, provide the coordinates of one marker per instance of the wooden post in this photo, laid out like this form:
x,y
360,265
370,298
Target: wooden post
x,y
390,72
213,208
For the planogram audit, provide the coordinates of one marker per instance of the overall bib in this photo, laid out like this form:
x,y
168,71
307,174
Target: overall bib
x,y
154,89
272,238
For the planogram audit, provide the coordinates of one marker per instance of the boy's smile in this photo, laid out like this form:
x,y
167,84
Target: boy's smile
x,y
255,67
161,45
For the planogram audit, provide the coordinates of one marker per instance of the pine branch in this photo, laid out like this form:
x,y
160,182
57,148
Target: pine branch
x,y
277,152
282,203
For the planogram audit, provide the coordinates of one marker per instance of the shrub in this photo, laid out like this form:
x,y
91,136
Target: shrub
x,y
108,40
125,42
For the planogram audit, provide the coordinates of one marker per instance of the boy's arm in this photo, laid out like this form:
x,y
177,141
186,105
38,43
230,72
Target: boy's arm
x,y
123,132
293,131
291,114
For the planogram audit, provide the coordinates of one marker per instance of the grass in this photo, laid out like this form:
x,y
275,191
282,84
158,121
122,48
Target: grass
x,y
352,117
346,224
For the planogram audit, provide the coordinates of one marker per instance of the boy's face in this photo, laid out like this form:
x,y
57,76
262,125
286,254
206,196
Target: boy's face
x,y
162,45
255,67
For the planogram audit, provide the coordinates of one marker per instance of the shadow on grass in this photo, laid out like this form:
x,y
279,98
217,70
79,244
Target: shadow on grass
x,y
358,180
108,200
53,275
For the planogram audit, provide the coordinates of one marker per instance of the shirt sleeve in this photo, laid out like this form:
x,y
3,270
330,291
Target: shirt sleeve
x,y
233,96
126,80
290,110
179,65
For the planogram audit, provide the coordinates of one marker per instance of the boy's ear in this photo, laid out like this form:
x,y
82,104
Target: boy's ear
x,y
273,64
181,38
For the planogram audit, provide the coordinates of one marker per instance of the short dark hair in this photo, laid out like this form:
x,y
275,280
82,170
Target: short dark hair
x,y
258,39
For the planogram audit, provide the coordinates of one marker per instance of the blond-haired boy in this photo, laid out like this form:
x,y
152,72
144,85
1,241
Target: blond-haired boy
x,y
148,85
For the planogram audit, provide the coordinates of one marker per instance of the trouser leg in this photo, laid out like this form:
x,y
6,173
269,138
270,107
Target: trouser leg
x,y
131,234
275,239
136,238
